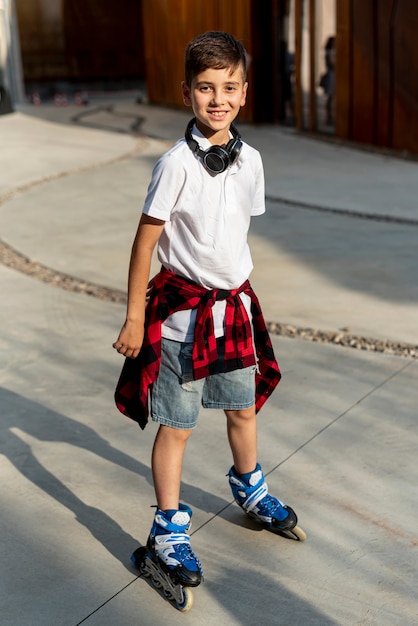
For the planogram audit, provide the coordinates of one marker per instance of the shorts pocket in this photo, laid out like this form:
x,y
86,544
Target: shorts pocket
x,y
186,362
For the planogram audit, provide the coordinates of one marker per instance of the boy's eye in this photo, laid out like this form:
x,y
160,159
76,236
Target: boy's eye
x,y
208,88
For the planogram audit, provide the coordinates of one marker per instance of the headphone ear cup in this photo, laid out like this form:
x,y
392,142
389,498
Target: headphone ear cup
x,y
233,149
216,159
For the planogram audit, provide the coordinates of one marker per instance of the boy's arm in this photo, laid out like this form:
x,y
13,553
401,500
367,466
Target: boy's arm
x,y
131,335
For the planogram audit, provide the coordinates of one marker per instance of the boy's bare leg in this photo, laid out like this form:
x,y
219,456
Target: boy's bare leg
x,y
250,492
167,463
242,436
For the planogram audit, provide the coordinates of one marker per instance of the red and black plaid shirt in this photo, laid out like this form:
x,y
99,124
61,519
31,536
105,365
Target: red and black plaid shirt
x,y
170,293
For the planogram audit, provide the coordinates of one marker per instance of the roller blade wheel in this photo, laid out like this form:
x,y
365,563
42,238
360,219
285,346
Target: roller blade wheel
x,y
290,530
296,533
181,597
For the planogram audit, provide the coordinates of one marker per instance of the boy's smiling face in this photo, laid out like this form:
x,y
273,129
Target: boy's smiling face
x,y
216,97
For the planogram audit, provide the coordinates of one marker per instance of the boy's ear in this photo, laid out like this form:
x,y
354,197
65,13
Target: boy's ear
x,y
244,94
186,94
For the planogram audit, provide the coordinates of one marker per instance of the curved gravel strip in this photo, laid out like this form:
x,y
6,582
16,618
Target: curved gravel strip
x,y
21,263
345,339
8,195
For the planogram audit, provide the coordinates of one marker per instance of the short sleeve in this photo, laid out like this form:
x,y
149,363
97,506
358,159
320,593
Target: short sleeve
x,y
259,201
165,187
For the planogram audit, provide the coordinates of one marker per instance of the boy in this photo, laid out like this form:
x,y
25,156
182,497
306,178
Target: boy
x,y
205,340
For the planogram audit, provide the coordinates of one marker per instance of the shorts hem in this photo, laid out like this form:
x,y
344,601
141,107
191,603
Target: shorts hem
x,y
228,406
178,425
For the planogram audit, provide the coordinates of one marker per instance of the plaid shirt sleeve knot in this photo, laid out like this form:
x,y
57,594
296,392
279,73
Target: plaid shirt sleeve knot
x,y
169,293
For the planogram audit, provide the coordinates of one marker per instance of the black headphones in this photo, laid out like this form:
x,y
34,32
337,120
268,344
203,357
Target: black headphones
x,y
216,158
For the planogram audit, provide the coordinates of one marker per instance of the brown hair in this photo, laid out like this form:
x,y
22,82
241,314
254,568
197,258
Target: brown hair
x,y
216,50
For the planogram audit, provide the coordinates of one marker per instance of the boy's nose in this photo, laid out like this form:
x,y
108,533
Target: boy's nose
x,y
217,97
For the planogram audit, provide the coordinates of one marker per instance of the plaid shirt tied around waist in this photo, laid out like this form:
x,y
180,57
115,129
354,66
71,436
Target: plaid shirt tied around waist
x,y
169,293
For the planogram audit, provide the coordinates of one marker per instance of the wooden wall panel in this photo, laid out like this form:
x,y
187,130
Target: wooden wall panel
x,y
235,17
42,42
384,95
170,24
298,65
363,82
263,66
80,39
343,84
405,68
103,40
377,76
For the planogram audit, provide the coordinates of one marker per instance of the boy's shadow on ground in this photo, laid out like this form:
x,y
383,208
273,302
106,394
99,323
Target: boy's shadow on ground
x,y
47,425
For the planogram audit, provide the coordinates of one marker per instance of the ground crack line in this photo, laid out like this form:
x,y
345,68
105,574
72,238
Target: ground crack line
x,y
8,195
362,215
107,601
339,417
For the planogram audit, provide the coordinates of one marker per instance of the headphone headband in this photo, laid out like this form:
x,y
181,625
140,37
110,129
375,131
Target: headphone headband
x,y
216,159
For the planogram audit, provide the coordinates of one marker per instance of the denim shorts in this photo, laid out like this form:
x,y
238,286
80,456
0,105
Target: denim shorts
x,y
176,398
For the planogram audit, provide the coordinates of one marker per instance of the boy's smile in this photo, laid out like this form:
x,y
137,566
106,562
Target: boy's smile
x,y
216,97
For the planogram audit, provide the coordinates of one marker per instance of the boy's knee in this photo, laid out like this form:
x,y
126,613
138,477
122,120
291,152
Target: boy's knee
x,y
175,434
241,415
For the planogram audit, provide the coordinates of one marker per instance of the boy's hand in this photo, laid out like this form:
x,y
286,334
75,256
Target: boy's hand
x,y
130,340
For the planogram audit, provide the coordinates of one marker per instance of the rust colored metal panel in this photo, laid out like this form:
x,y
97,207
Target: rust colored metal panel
x,y
343,82
170,24
364,73
405,68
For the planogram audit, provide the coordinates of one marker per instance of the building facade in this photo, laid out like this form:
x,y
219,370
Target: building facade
x,y
374,95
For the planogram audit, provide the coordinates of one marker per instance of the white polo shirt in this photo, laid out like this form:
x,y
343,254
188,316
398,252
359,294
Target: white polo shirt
x,y
207,220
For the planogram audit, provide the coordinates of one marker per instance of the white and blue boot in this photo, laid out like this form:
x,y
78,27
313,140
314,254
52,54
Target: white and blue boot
x,y
251,493
170,544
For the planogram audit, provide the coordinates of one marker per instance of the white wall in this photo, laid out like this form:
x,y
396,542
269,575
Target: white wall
x,y
10,60
325,27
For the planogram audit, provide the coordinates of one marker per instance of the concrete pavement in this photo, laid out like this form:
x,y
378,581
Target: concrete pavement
x,y
338,439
